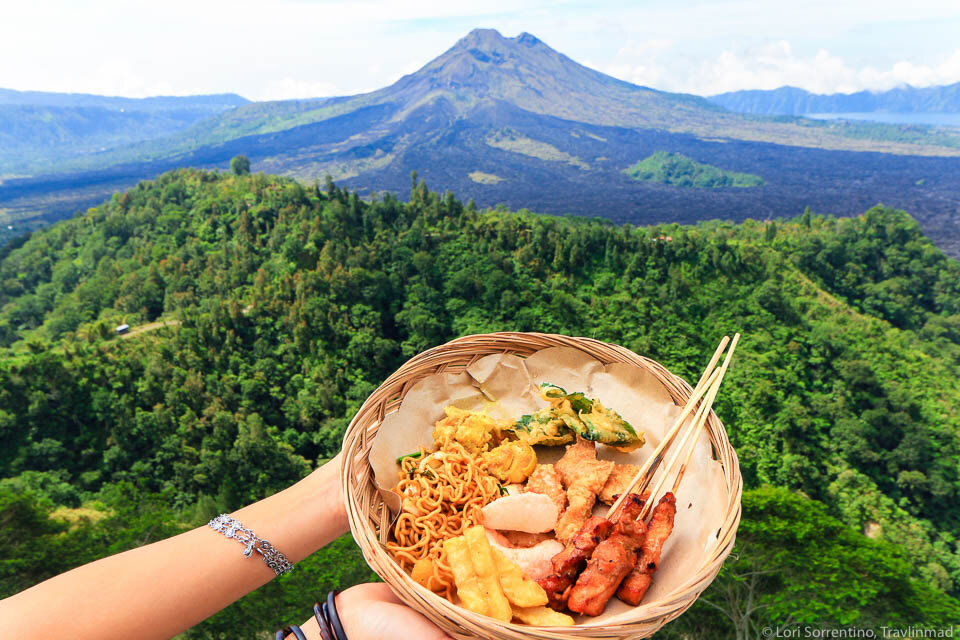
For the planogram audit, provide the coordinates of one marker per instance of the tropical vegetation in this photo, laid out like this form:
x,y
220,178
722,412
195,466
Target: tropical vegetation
x,y
264,312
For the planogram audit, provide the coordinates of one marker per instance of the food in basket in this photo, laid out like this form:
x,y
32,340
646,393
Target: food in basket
x,y
584,477
488,583
512,461
502,385
474,430
534,561
609,563
617,482
461,532
546,480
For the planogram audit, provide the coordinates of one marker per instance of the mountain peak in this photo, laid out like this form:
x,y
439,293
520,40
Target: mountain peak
x,y
491,40
485,67
528,39
482,38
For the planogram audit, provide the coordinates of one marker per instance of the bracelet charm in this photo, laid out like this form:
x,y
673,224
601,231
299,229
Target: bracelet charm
x,y
234,529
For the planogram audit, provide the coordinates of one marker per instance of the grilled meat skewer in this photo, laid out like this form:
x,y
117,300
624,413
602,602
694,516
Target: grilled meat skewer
x,y
635,585
569,562
611,561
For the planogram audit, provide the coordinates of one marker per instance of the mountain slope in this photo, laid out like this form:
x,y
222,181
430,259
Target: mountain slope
x,y
794,101
44,129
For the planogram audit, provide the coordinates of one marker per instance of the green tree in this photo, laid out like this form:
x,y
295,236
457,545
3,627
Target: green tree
x,y
240,165
795,564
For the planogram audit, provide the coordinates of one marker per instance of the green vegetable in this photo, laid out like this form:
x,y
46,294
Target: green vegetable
x,y
580,403
410,455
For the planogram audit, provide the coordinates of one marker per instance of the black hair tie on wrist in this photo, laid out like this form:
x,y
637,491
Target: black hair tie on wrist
x,y
294,629
331,609
327,619
322,621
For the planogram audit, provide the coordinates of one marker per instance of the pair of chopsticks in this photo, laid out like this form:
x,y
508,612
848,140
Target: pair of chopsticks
x,y
706,390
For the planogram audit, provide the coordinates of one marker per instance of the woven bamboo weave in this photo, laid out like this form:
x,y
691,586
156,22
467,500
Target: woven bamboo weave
x,y
370,520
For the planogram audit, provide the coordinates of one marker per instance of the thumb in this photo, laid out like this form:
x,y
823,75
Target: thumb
x,y
378,620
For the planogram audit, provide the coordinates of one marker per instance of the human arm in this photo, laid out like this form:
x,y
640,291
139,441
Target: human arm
x,y
159,590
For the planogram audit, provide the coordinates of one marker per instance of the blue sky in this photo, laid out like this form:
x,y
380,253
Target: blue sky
x,y
303,48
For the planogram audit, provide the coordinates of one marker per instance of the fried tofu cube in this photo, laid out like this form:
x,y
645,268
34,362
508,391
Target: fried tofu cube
x,y
471,594
483,564
520,590
542,617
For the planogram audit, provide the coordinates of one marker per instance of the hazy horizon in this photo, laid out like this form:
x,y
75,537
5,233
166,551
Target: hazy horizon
x,y
304,48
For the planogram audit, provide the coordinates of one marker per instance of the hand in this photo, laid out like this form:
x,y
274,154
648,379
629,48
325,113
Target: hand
x,y
373,612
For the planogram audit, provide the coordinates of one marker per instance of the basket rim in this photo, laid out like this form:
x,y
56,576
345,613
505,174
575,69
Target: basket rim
x,y
645,618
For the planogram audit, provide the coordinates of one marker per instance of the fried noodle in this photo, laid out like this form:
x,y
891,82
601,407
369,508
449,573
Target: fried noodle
x,y
443,494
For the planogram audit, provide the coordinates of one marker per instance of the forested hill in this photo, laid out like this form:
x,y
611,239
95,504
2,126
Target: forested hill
x,y
286,306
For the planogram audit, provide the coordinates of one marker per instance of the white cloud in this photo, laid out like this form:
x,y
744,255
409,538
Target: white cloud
x,y
306,48
769,65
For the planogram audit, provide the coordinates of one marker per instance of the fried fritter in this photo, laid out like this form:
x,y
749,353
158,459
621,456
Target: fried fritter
x,y
542,616
543,427
520,590
583,476
469,590
512,461
484,565
586,417
474,430
572,465
618,481
546,480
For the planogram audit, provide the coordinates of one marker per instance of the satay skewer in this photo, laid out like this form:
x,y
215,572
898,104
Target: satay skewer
x,y
692,434
647,470
636,583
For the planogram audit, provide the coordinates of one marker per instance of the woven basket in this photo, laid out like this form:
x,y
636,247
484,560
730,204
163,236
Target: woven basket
x,y
370,520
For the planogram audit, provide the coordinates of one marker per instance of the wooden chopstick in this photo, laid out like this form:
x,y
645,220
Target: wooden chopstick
x,y
647,470
692,434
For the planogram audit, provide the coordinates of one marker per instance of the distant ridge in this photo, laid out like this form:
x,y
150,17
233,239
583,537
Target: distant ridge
x,y
795,102
213,101
41,128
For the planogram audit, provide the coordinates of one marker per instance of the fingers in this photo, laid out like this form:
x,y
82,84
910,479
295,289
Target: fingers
x,y
372,612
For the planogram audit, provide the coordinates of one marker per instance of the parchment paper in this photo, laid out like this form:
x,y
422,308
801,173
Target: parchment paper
x,y
506,386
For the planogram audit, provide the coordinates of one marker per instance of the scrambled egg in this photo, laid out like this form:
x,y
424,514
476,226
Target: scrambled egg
x,y
511,461
474,430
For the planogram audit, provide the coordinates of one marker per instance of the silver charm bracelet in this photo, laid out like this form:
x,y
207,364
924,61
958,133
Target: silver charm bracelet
x,y
233,529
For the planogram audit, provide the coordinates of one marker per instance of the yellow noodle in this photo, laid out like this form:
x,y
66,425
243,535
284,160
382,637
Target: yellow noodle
x,y
441,498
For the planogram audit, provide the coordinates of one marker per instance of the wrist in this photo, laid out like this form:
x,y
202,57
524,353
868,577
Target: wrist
x,y
302,518
323,497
